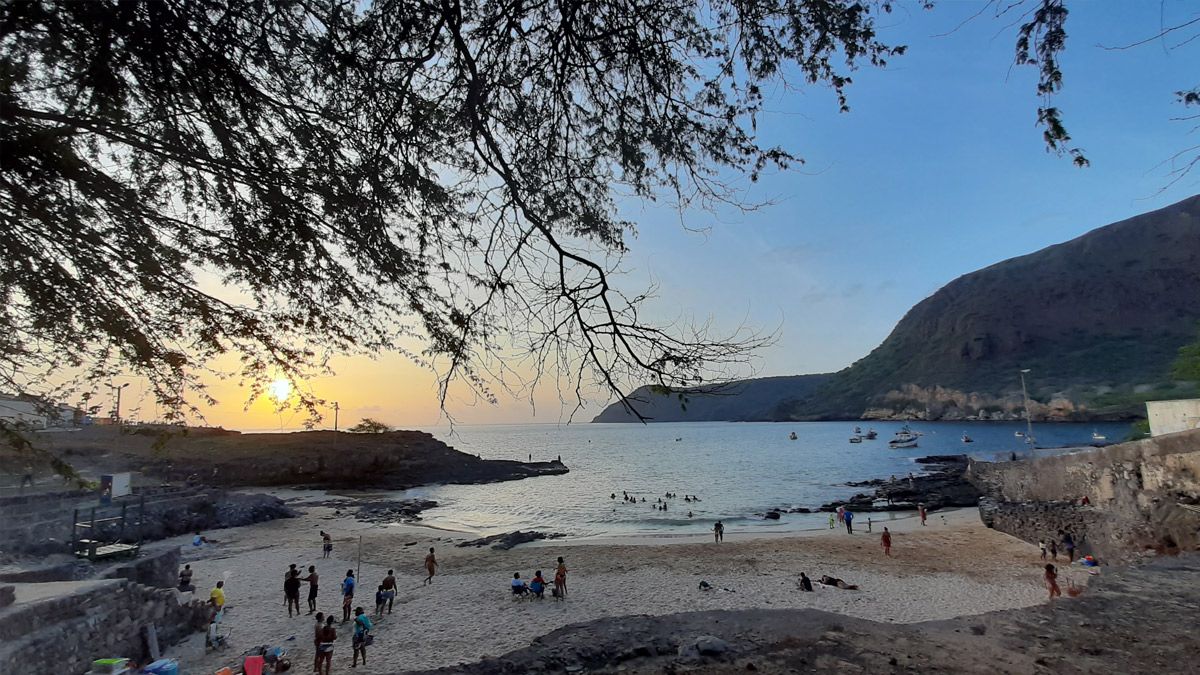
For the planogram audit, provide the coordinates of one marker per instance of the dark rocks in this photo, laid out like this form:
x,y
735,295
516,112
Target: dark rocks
x,y
503,542
771,515
394,511
8,595
945,486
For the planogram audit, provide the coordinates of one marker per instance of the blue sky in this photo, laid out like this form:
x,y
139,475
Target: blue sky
x,y
938,170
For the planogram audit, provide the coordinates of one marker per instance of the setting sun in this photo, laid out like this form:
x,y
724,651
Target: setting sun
x,y
280,389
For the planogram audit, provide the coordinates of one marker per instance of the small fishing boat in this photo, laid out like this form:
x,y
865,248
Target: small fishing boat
x,y
905,438
792,436
858,431
856,439
967,439
1096,436
871,435
1019,434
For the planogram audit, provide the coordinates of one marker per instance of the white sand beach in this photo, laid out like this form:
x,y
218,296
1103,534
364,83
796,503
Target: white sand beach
x,y
954,566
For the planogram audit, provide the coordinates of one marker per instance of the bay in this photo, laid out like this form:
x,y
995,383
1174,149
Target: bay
x,y
738,470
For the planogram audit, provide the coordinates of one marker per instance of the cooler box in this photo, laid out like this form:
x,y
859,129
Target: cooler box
x,y
162,667
109,665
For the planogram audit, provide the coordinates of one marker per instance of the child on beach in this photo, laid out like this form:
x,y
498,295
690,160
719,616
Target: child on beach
x,y
831,520
1053,550
1051,578
326,544
1042,546
379,601
430,566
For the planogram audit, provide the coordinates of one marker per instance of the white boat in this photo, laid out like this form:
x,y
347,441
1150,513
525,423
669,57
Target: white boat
x,y
857,430
1098,436
856,439
905,438
871,435
967,439
1019,434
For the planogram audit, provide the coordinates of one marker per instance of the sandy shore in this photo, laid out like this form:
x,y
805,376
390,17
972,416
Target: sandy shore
x,y
952,567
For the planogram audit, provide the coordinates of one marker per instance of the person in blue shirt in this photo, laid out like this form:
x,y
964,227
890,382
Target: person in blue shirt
x,y
362,632
849,517
347,595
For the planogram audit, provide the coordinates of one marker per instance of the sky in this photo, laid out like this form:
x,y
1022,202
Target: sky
x,y
937,170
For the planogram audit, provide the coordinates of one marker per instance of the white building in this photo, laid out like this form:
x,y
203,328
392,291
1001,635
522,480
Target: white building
x,y
16,412
1168,417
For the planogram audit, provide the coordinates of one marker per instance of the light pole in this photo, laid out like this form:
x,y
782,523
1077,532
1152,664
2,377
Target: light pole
x,y
1028,418
335,415
117,408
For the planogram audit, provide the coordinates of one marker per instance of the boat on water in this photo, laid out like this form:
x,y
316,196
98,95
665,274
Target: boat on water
x,y
1096,436
871,435
1019,434
856,439
967,439
792,436
905,438
857,431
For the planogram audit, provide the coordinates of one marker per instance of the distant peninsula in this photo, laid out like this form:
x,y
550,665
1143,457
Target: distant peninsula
x,y
1097,320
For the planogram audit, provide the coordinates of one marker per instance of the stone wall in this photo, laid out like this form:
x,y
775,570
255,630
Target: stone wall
x,y
1134,490
64,633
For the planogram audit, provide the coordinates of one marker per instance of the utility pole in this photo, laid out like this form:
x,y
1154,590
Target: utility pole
x,y
1028,418
335,415
117,409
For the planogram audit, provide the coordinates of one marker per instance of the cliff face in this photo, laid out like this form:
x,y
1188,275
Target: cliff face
x,y
741,401
1106,312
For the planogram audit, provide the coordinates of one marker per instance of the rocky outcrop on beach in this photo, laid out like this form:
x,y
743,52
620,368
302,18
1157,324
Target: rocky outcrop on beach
x,y
319,459
1133,620
945,486
506,541
392,510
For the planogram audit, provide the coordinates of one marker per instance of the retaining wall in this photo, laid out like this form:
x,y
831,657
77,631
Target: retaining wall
x,y
1134,492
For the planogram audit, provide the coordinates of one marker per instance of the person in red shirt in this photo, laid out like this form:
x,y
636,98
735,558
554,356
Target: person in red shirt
x,y
885,540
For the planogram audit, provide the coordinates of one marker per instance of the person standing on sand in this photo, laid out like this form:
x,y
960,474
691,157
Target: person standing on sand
x,y
869,524
718,532
921,512
885,540
1068,543
831,520
848,516
291,592
389,589
430,566
560,578
805,583
348,585
317,641
1054,550
841,515
1051,577
312,580
326,544
325,639
362,630
1042,546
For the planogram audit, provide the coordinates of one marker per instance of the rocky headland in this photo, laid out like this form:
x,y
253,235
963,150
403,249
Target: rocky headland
x,y
316,459
945,485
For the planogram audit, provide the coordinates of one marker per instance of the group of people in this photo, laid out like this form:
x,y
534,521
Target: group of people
x,y
537,585
325,636
1051,547
660,504
806,583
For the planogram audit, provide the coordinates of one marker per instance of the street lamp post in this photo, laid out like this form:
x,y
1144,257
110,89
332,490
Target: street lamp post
x,y
1028,418
117,408
336,407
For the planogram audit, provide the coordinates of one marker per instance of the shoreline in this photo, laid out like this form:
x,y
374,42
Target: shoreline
x,y
929,578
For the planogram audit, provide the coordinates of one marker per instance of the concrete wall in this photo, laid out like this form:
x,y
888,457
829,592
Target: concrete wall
x,y
63,629
1170,417
1133,488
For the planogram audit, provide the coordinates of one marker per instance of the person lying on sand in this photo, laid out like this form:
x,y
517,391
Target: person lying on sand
x,y
838,583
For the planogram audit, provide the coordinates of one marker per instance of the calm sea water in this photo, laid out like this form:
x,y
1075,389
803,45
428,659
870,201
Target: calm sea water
x,y
737,469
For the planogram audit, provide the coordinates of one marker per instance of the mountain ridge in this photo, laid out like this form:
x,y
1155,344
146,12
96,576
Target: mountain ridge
x,y
1097,320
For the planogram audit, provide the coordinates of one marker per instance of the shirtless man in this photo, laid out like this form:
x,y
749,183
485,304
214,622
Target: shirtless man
x,y
389,589
430,566
718,532
313,579
885,540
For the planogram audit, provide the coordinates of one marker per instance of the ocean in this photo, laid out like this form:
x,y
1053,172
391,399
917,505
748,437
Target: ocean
x,y
738,470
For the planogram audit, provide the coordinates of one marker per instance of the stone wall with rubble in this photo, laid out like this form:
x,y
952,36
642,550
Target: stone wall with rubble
x,y
1135,492
63,634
